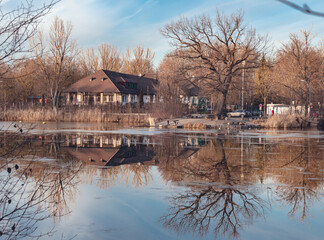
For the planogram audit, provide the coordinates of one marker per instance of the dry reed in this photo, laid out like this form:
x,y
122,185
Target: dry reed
x,y
285,121
77,115
194,126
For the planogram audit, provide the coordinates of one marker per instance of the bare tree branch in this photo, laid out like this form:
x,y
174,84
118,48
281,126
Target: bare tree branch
x,y
305,8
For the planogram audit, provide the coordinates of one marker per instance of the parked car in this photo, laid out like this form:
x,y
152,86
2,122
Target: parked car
x,y
257,113
239,113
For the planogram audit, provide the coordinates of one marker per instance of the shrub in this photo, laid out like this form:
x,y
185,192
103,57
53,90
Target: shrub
x,y
285,121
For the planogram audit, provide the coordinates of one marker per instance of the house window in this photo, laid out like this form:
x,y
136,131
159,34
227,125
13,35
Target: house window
x,y
79,98
130,85
111,98
124,98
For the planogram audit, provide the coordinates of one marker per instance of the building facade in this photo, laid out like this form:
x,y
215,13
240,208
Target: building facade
x,y
108,87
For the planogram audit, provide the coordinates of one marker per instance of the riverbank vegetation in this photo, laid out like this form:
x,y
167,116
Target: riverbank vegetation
x,y
286,121
74,115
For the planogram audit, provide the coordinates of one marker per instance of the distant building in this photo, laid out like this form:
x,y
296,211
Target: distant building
x,y
274,109
190,94
104,87
285,109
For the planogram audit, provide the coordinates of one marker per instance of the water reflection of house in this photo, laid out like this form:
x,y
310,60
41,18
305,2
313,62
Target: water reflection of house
x,y
112,156
106,140
195,141
109,150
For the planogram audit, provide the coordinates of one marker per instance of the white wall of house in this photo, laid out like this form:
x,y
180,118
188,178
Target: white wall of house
x,y
146,98
124,99
105,98
118,97
79,97
277,109
284,109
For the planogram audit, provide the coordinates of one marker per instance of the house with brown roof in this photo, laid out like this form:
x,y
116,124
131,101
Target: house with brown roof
x,y
104,87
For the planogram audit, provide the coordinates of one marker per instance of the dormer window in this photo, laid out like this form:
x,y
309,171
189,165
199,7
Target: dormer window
x,y
130,85
91,79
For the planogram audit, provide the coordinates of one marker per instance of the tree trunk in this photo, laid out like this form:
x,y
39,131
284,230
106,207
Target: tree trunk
x,y
228,81
223,109
307,100
264,105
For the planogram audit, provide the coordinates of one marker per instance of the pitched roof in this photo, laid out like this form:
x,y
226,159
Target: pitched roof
x,y
111,156
94,156
189,89
113,82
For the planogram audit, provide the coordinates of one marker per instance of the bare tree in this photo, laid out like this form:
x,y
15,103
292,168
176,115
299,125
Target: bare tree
x,y
263,81
88,61
56,57
218,48
301,64
22,82
17,26
139,61
109,57
171,78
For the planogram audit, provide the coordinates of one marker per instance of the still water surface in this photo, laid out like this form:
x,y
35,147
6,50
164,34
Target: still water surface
x,y
83,182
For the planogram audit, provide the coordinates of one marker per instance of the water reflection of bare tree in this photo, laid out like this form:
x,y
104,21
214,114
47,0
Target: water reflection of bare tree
x,y
137,175
30,191
218,201
59,184
301,187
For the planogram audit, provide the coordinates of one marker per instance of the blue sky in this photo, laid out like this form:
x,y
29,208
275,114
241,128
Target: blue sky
x,y
127,23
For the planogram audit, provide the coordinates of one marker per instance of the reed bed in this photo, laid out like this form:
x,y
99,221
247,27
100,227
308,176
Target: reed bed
x,y
75,115
285,121
195,126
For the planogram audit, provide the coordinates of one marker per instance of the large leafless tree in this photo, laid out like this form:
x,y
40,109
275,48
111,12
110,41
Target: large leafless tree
x,y
299,64
219,48
264,83
56,56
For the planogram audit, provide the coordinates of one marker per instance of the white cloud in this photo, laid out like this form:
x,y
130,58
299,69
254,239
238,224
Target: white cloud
x,y
121,22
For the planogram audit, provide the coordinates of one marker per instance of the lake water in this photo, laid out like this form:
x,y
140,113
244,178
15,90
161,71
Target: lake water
x,y
81,181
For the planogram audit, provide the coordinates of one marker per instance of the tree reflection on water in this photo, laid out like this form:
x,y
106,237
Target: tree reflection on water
x,y
220,201
222,195
223,180
30,191
300,187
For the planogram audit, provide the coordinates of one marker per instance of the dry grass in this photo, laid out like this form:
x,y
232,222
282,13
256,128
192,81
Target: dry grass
x,y
285,121
78,115
195,126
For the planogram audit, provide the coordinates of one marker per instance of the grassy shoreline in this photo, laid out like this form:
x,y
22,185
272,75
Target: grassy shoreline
x,y
98,115
75,115
285,122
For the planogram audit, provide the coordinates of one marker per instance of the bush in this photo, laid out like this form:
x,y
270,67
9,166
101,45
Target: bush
x,y
320,124
285,121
